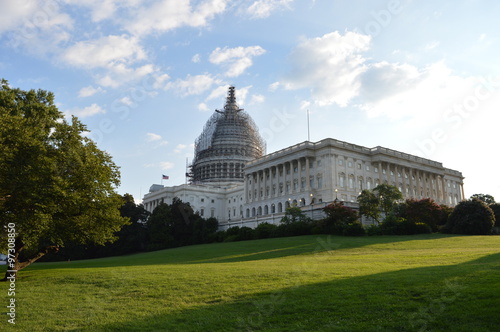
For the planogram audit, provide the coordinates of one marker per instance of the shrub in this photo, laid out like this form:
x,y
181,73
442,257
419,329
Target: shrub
x,y
373,230
392,225
218,236
495,207
471,217
421,211
294,229
266,230
353,229
245,233
422,228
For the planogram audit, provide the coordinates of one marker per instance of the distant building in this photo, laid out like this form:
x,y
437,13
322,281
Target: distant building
x,y
233,181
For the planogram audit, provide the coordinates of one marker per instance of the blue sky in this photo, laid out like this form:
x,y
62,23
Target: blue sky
x,y
421,77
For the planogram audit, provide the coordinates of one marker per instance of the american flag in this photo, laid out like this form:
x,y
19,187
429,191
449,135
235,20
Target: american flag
x,y
164,177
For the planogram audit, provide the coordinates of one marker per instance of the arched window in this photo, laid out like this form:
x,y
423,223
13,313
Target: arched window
x,y
280,207
259,211
273,208
342,180
248,213
266,210
253,212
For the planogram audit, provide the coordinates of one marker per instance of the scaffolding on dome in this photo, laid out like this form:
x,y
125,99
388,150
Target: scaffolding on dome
x,y
229,139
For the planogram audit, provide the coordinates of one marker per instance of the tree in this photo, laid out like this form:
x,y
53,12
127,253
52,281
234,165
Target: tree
x,y
338,216
496,211
159,227
488,199
369,205
472,217
294,214
56,186
388,196
422,211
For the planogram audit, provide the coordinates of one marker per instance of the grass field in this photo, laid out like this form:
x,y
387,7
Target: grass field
x,y
309,283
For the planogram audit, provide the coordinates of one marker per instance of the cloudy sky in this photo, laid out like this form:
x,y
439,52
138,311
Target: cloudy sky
x,y
421,77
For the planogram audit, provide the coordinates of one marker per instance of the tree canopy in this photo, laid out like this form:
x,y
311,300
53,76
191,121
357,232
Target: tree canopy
x,y
383,198
488,199
56,186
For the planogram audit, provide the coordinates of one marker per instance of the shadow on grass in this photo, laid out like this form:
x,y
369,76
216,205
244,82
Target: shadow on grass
x,y
239,251
462,297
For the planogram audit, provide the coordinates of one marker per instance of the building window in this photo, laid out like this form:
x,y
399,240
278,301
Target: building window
x,y
375,169
342,180
202,200
358,166
212,213
311,181
341,162
302,183
349,164
320,181
367,168
202,212
318,163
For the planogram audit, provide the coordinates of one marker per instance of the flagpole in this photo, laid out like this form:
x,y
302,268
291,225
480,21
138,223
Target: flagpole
x,y
308,133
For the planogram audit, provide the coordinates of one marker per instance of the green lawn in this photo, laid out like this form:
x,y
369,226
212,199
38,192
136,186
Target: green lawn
x,y
309,283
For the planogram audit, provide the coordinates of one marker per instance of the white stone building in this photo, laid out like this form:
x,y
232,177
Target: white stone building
x,y
243,191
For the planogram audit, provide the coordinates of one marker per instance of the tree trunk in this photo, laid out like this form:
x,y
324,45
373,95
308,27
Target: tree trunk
x,y
12,270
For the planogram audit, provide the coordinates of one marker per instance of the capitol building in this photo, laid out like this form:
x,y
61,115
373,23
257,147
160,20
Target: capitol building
x,y
234,180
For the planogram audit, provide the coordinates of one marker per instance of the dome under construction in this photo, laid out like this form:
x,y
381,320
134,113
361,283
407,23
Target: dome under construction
x,y
229,140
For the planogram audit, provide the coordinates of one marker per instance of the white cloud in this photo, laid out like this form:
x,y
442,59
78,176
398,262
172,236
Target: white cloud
x,y
203,107
151,137
192,85
257,99
39,27
106,52
179,148
397,91
166,165
115,59
100,9
196,58
87,111
330,65
219,92
235,60
274,86
166,15
89,91
241,95
264,8
126,101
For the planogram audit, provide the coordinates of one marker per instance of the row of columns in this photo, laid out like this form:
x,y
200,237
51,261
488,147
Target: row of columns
x,y
260,181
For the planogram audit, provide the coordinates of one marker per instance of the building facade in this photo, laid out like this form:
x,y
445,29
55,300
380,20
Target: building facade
x,y
309,175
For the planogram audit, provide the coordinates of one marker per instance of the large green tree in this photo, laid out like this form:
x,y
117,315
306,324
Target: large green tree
x,y
56,186
488,199
382,199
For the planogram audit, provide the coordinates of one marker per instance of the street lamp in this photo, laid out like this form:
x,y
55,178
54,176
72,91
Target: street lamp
x,y
312,202
336,195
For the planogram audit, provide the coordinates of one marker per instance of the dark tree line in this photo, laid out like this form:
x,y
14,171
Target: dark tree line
x,y
169,226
